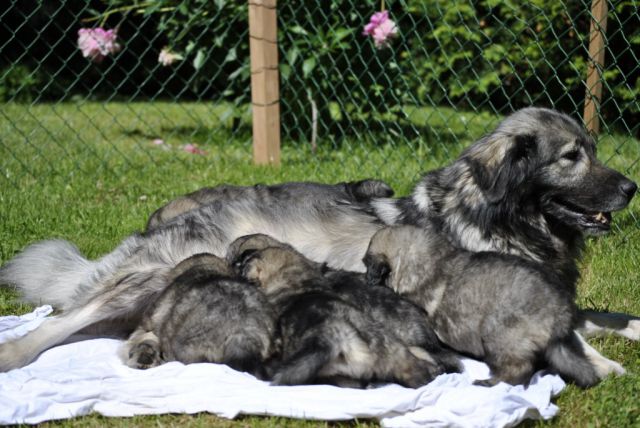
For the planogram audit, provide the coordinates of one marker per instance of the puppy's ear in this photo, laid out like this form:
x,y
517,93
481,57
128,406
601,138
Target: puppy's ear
x,y
378,270
499,175
240,262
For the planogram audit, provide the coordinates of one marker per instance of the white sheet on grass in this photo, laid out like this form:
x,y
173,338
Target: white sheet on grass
x,y
87,376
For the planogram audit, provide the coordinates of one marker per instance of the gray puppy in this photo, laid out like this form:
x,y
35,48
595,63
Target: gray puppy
x,y
206,314
332,328
505,310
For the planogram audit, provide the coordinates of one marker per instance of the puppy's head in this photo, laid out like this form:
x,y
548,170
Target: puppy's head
x,y
275,268
205,263
401,258
250,243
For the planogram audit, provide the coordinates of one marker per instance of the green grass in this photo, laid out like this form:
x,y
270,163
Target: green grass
x,y
90,173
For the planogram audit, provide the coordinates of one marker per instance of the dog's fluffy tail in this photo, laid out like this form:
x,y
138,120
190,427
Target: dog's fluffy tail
x,y
48,272
568,359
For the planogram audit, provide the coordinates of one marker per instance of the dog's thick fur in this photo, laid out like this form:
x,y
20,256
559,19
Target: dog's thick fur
x,y
332,328
507,311
355,191
531,188
206,314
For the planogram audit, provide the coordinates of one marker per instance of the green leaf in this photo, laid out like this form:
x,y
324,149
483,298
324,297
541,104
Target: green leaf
x,y
335,112
296,29
341,33
231,55
198,61
307,66
285,71
292,55
239,71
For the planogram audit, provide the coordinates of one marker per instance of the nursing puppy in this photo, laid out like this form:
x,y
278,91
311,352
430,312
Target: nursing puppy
x,y
331,329
206,314
507,311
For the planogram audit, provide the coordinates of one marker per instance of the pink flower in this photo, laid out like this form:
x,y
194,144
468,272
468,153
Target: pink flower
x,y
158,141
192,148
381,28
97,43
167,57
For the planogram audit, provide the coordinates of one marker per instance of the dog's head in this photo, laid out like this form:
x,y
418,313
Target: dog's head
x,y
403,257
543,156
245,245
203,263
275,268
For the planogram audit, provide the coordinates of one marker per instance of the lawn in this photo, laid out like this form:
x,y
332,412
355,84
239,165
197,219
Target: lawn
x,y
90,173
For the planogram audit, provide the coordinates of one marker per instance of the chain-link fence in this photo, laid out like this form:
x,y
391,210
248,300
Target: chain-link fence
x,y
453,69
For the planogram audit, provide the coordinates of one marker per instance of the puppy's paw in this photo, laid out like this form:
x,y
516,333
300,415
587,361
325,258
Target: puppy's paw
x,y
144,355
492,381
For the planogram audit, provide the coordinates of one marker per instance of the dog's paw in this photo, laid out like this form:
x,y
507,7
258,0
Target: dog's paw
x,y
632,331
144,355
12,356
595,324
605,367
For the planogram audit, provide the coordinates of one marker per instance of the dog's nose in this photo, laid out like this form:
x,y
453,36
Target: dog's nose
x,y
629,188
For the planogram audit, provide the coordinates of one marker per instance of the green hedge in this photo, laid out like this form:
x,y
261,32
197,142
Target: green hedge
x,y
494,55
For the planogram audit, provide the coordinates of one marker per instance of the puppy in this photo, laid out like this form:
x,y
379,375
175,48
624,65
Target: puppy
x,y
206,314
502,309
332,329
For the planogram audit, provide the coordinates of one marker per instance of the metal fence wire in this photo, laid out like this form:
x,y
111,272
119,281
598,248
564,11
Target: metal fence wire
x,y
178,73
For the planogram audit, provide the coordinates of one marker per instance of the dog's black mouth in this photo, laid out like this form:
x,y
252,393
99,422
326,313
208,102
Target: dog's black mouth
x,y
588,221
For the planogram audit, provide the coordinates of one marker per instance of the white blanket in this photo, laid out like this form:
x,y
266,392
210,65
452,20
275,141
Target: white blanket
x,y
86,376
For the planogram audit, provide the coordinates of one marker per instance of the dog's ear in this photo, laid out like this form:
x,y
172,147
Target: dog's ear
x,y
365,190
497,176
378,270
240,262
202,262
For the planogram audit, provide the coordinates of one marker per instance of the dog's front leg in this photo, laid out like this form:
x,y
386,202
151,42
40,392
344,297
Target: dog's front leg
x,y
594,323
603,366
52,331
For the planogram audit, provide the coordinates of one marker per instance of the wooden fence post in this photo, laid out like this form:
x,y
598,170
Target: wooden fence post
x,y
595,66
265,89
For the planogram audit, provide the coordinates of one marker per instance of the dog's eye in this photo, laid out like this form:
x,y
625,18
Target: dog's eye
x,y
572,155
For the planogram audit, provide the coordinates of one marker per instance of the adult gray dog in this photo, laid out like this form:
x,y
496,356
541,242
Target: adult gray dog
x,y
532,188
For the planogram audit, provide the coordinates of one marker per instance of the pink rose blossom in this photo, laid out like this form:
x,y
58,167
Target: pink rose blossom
x,y
97,43
167,57
192,148
381,28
